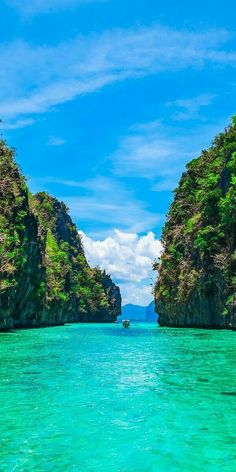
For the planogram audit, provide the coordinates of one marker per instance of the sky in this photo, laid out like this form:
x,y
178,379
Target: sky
x,y
105,102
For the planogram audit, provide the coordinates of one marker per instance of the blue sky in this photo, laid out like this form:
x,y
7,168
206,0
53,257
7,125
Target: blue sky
x,y
105,102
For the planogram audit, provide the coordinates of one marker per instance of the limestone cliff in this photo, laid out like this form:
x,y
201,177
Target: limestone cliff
x,y
45,278
197,272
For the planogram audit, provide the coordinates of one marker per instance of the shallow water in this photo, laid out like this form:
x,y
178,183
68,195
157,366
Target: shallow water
x,y
102,398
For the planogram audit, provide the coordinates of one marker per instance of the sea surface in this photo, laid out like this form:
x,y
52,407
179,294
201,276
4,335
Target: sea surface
x,y
102,398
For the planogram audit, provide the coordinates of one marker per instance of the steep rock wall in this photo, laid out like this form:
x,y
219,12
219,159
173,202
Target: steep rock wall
x,y
197,272
45,278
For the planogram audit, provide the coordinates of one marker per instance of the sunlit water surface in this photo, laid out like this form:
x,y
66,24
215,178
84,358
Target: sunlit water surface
x,y
102,398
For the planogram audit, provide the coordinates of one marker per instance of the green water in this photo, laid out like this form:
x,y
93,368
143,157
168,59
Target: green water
x,y
102,398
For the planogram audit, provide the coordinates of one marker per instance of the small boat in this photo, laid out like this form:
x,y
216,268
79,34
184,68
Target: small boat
x,y
125,323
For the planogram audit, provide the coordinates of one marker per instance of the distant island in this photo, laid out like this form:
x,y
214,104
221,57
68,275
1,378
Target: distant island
x,y
197,272
139,313
45,278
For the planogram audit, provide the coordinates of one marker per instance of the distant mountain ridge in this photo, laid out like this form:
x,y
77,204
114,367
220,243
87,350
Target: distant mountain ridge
x,y
151,314
139,313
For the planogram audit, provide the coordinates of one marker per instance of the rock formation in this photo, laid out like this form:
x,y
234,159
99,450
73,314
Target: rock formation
x,y
197,272
45,278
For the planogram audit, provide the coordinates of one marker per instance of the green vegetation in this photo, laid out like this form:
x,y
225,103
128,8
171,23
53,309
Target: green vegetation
x,y
197,283
13,219
44,275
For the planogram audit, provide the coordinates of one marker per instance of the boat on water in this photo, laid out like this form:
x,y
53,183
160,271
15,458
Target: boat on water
x,y
125,323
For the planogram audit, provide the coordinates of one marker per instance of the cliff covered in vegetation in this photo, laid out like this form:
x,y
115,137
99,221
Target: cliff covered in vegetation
x,y
197,272
44,276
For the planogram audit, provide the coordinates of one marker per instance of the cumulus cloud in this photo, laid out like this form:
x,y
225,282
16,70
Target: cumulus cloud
x,y
128,257
137,294
35,79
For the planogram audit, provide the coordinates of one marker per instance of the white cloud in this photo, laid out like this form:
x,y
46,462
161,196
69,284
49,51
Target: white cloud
x,y
152,150
15,124
34,79
159,153
128,258
137,294
188,109
97,184
34,7
129,213
165,183
55,141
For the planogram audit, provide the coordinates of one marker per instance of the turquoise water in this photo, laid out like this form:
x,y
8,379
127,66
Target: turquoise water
x,y
102,398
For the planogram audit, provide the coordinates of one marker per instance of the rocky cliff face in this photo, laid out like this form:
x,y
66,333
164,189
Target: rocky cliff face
x,y
44,276
197,272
